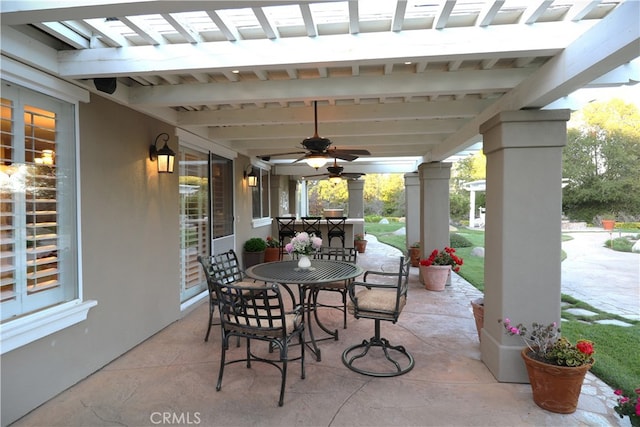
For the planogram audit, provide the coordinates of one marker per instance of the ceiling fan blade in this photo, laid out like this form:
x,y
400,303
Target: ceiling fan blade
x,y
343,156
355,152
354,175
315,176
267,157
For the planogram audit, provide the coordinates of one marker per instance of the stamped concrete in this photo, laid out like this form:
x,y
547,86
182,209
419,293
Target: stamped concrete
x,y
170,378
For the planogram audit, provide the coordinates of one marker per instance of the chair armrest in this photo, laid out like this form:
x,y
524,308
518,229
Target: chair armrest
x,y
379,273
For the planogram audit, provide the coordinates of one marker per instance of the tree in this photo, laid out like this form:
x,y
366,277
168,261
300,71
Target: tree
x,y
471,168
601,161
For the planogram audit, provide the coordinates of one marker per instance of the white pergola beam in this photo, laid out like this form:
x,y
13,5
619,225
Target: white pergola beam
x,y
355,113
575,67
500,41
464,81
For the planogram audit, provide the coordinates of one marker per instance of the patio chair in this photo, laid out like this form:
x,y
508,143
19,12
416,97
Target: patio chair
x,y
335,228
286,229
380,301
224,268
340,254
256,312
311,224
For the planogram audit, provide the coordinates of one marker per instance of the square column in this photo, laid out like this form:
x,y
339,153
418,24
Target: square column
x,y
412,207
434,201
522,230
356,203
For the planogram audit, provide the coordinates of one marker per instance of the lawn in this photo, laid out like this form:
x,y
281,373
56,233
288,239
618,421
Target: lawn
x,y
617,355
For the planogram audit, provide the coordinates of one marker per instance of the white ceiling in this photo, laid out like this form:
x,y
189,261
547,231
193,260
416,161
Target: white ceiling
x,y
408,80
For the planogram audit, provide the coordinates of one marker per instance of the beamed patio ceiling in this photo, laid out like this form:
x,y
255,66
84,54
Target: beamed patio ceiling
x,y
407,80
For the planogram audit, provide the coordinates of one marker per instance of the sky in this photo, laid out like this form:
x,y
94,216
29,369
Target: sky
x,y
629,94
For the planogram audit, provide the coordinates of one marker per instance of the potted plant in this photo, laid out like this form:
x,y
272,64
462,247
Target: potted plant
x,y
254,251
359,242
608,222
629,406
414,254
435,270
272,252
303,245
477,306
556,368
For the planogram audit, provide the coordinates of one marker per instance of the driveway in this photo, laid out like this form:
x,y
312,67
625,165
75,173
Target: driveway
x,y
605,279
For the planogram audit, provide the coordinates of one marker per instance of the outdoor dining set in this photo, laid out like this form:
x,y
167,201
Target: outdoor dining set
x,y
280,304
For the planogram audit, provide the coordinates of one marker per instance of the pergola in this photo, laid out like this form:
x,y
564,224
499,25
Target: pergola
x,y
408,81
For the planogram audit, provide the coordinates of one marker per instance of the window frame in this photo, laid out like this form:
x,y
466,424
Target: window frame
x,y
22,330
260,196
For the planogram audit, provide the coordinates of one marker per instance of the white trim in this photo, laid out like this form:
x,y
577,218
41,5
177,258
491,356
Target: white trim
x,y
202,143
190,304
24,330
261,222
38,81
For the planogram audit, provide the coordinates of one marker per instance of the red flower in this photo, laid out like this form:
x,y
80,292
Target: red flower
x,y
585,347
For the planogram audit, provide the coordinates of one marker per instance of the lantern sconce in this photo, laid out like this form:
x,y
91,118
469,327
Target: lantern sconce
x,y
250,176
165,155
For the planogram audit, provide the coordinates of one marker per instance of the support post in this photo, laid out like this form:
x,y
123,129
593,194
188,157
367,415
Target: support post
x,y
522,230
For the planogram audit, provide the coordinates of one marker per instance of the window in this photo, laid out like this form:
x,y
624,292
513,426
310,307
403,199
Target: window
x,y
260,194
205,193
38,202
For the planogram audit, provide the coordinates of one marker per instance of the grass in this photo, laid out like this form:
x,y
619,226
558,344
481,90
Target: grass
x,y
617,353
621,244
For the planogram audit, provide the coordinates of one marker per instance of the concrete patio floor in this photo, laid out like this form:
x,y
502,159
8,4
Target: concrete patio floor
x,y
170,378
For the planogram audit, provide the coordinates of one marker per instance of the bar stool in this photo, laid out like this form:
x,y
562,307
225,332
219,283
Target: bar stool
x,y
311,224
286,229
335,228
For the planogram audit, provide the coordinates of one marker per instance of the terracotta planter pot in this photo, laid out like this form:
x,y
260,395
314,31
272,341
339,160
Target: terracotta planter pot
x,y
414,254
608,224
555,388
360,245
435,277
478,314
271,254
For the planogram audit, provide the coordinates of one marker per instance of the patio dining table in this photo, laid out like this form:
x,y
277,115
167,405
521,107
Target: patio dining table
x,y
288,273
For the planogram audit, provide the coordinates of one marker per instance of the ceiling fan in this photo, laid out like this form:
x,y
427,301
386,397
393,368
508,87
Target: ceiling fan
x,y
318,151
336,173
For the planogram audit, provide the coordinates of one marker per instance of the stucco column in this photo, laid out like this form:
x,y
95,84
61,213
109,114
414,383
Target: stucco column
x,y
522,230
356,202
434,201
412,207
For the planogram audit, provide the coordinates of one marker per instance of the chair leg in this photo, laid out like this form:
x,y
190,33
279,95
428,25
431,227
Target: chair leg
x,y
211,308
383,343
344,309
223,355
284,381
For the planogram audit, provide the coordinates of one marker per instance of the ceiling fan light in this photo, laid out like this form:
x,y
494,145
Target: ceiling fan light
x,y
316,160
335,180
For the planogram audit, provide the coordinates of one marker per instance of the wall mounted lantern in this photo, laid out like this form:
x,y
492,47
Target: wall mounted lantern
x,y
250,176
165,155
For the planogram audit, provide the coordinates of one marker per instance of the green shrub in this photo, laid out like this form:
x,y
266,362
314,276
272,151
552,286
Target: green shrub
x,y
255,244
459,241
621,244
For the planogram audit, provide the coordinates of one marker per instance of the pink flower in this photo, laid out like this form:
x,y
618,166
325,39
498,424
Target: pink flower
x,y
289,248
514,330
618,392
638,408
623,400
